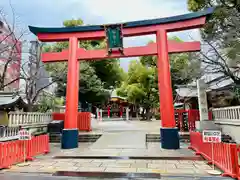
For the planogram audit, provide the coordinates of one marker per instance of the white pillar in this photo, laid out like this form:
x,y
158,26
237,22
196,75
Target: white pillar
x,y
101,114
97,114
127,114
204,123
202,100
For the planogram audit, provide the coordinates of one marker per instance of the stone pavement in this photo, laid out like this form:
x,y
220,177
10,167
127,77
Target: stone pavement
x,y
48,164
186,167
149,127
121,140
151,149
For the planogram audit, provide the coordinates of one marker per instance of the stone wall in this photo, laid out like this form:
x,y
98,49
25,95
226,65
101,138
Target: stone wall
x,y
232,130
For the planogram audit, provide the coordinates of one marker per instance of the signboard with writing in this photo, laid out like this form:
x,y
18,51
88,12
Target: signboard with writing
x,y
24,135
202,100
114,37
212,136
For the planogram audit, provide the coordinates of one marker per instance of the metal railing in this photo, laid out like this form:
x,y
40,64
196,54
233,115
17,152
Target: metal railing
x,y
28,118
8,133
227,114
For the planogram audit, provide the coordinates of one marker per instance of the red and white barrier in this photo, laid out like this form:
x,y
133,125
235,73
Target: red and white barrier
x,y
225,154
84,120
12,152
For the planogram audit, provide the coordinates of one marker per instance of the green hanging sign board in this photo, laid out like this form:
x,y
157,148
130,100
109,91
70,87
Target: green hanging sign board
x,y
114,38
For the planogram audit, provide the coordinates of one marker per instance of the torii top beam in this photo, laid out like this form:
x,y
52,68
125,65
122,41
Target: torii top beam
x,y
134,28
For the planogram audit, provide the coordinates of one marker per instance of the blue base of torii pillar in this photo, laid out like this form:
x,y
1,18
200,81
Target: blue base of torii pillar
x,y
69,138
170,138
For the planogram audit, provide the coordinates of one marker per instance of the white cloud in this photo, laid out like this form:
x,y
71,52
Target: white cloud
x,y
53,12
129,10
114,11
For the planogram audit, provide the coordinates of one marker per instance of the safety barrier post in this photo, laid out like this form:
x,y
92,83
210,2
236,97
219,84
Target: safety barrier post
x,y
47,146
13,152
84,121
30,149
225,154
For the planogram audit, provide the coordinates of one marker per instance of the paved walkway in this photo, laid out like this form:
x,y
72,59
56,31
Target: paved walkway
x,y
48,164
151,149
176,167
121,140
150,127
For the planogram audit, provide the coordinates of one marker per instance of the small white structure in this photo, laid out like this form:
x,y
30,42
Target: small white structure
x,y
202,100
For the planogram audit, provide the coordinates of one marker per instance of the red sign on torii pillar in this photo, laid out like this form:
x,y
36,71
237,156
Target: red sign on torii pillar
x,y
159,27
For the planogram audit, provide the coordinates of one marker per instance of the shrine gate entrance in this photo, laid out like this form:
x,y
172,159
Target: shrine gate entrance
x,y
114,35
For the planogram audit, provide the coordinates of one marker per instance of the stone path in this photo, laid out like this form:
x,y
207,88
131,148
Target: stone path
x,y
123,126
121,140
185,167
48,164
151,149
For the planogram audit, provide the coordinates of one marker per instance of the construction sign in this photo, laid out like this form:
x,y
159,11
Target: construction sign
x,y
24,135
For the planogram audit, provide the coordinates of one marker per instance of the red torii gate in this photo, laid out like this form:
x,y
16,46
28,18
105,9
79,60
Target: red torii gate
x,y
160,27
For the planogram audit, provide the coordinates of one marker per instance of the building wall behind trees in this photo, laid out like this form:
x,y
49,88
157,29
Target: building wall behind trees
x,y
10,52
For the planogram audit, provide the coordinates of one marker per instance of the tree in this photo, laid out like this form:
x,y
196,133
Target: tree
x,y
95,76
140,87
11,35
35,78
15,67
184,67
141,84
48,103
221,38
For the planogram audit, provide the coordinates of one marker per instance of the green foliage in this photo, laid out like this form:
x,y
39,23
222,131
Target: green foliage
x,y
140,86
73,22
141,83
48,103
222,30
157,116
183,66
95,76
236,91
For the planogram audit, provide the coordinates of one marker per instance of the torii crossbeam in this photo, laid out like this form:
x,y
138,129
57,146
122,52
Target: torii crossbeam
x,y
151,49
159,27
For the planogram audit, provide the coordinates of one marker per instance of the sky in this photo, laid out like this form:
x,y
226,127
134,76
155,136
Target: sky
x,y
51,13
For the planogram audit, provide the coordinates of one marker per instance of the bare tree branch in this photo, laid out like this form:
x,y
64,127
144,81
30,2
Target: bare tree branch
x,y
10,50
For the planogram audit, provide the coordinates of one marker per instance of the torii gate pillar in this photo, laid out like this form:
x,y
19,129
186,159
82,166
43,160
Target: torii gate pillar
x,y
169,132
70,131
